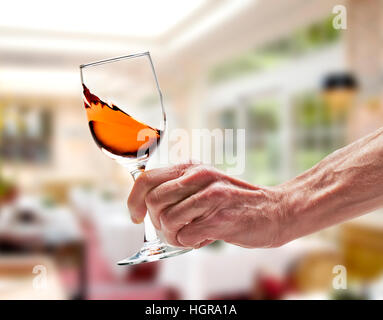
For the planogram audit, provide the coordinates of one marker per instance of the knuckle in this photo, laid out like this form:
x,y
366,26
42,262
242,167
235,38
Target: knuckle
x,y
191,163
202,197
217,190
179,170
195,201
179,184
182,167
142,180
152,198
167,222
202,172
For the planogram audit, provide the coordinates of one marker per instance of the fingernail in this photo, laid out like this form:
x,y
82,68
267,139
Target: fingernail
x,y
134,220
139,221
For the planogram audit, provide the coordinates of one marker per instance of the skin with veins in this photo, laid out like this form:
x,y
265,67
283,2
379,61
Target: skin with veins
x,y
194,204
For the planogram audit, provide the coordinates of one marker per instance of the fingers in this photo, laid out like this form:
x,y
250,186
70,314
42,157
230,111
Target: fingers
x,y
182,201
159,199
147,181
197,210
196,235
179,215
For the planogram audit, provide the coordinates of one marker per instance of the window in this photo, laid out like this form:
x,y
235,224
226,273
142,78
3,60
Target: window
x,y
25,132
263,143
316,133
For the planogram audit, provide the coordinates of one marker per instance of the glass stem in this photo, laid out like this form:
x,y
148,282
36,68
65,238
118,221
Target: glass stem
x,y
150,234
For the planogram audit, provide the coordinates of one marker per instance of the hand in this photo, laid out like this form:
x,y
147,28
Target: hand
x,y
193,205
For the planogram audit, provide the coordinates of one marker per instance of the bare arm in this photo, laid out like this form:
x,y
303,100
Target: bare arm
x,y
346,184
194,205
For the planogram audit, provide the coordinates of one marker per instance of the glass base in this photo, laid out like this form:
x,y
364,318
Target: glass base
x,y
153,251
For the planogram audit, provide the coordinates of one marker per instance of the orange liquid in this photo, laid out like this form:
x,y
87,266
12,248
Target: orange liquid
x,y
116,131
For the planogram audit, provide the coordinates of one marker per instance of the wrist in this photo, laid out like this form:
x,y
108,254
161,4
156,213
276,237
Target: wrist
x,y
301,213
283,214
273,204
294,206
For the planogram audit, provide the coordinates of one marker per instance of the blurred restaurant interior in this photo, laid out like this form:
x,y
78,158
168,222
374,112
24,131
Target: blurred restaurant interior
x,y
254,64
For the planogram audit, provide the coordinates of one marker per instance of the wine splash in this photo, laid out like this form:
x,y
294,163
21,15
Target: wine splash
x,y
116,131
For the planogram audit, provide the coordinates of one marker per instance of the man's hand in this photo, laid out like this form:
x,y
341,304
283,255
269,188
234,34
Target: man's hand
x,y
193,205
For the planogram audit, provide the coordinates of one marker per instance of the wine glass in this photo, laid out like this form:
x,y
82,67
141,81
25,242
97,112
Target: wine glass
x,y
126,116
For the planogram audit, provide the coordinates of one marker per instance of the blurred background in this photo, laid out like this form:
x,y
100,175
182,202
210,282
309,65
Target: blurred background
x,y
279,69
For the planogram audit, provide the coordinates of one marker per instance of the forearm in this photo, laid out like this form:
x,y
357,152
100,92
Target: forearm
x,y
346,184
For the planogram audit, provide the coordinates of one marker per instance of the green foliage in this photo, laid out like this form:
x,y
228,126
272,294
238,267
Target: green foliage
x,y
249,62
261,169
263,116
306,158
310,111
273,54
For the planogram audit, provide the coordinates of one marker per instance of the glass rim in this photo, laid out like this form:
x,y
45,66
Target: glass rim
x,y
109,60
